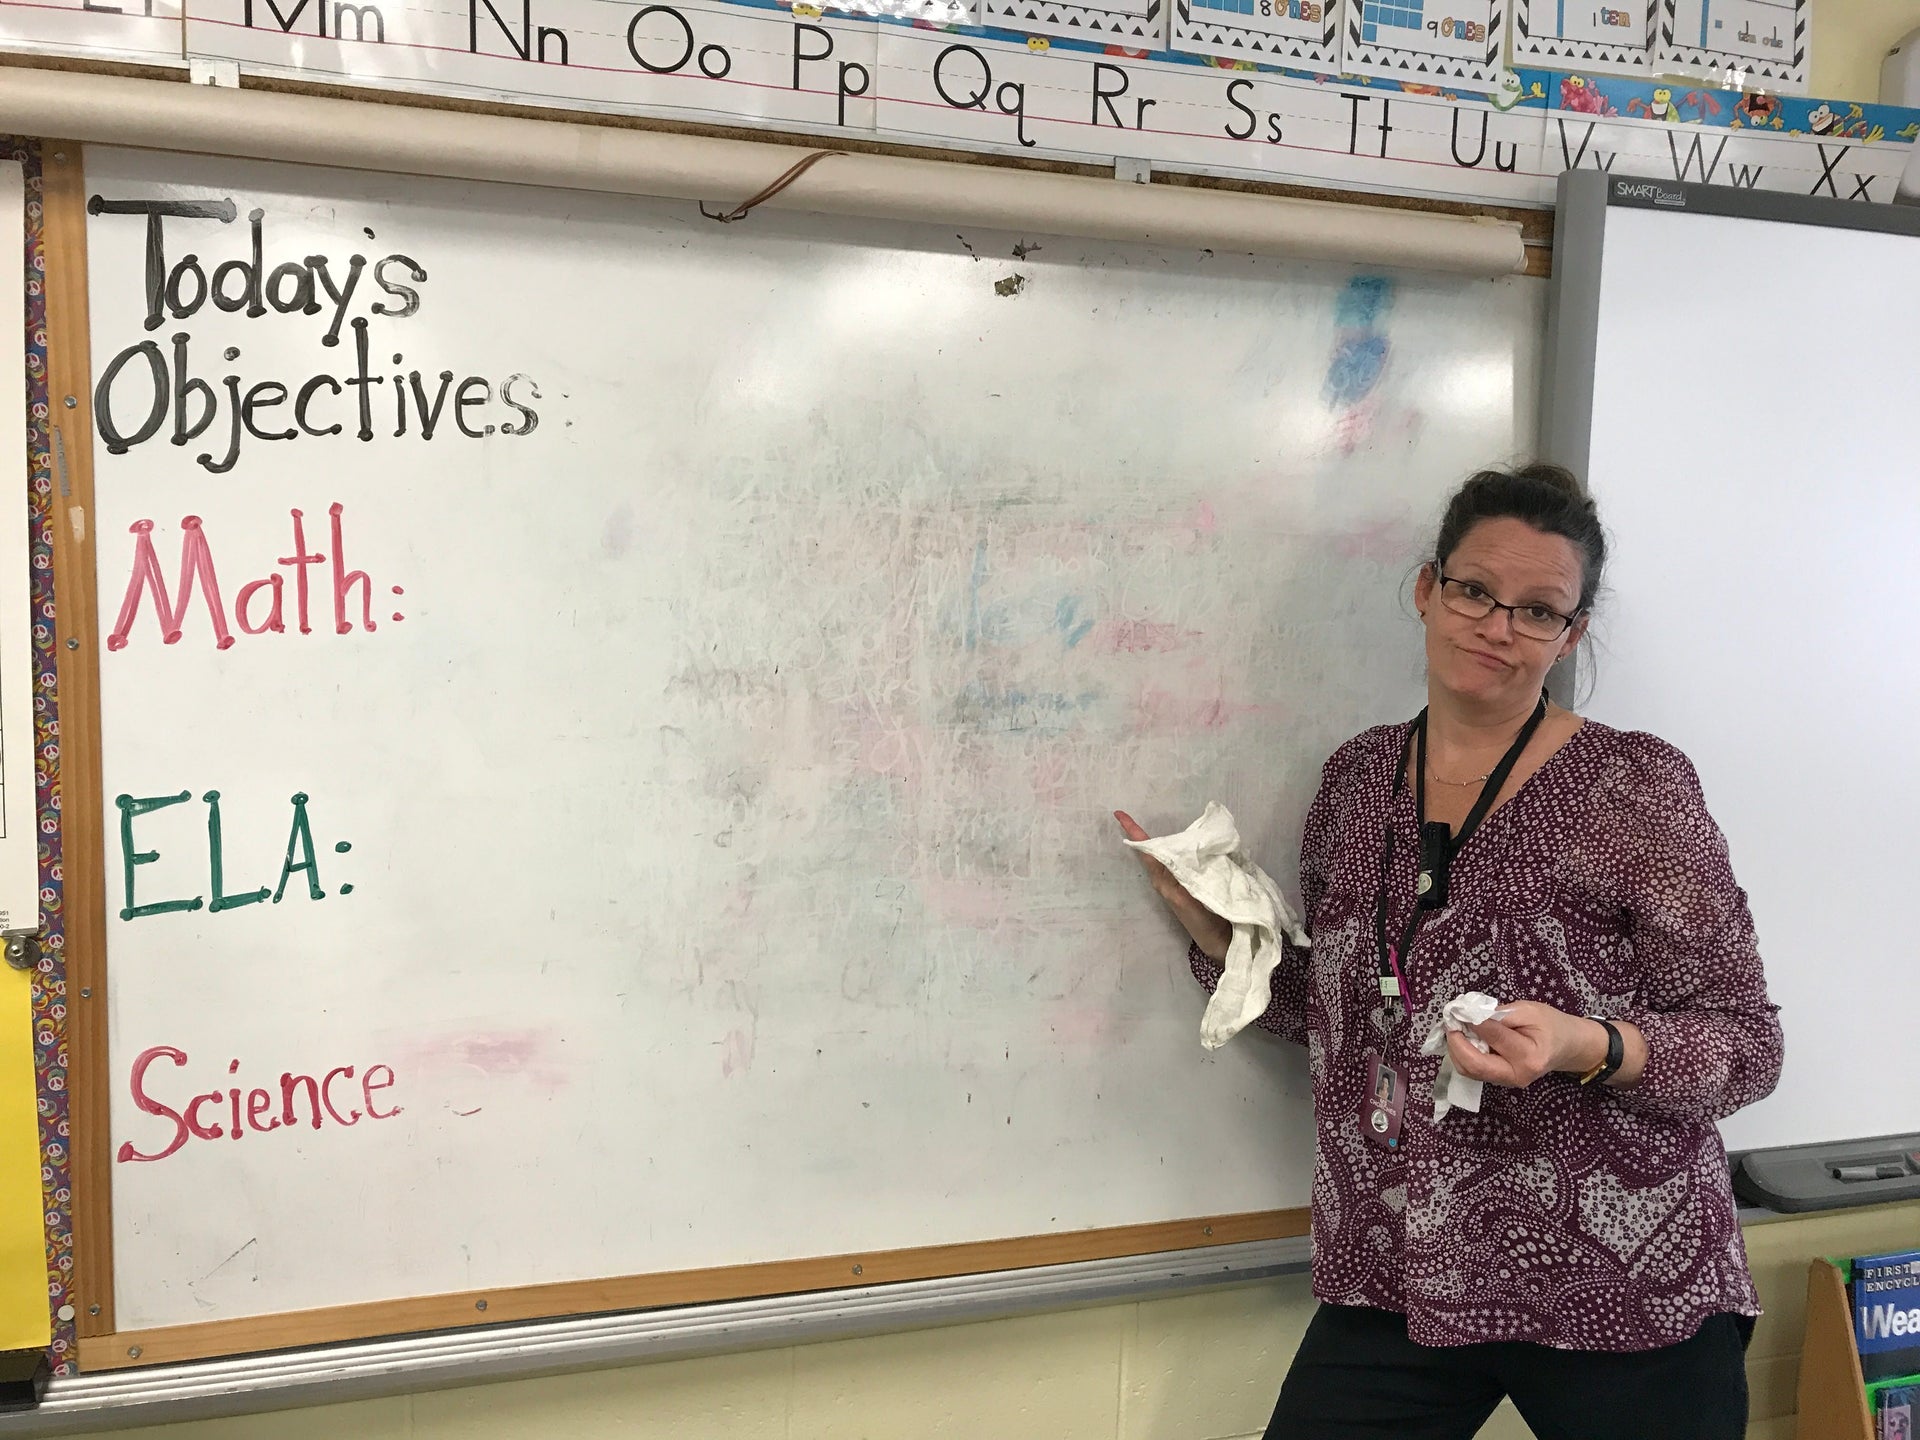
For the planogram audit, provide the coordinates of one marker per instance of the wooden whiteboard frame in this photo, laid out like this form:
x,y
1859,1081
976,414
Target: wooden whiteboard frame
x,y
82,821
102,1346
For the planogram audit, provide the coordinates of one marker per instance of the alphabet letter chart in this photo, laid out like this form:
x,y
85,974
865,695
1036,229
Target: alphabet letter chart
x,y
148,32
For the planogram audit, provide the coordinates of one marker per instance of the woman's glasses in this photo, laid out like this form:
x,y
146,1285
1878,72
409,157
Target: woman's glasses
x,y
1535,622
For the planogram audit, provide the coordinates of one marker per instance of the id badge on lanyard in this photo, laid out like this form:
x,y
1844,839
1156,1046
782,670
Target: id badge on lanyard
x,y
1384,1105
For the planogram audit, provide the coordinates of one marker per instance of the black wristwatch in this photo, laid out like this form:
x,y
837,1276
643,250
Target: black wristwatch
x,y
1616,1055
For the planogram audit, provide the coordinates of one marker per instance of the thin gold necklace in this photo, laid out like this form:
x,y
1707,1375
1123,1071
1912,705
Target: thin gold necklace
x,y
1478,780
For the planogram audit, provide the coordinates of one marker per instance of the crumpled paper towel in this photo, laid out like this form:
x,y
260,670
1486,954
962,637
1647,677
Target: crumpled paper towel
x,y
1450,1087
1207,859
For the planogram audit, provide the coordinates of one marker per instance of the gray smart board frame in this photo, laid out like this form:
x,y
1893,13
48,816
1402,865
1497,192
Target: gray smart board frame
x,y
1579,254
1787,1179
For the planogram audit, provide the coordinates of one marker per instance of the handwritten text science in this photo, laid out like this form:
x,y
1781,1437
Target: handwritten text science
x,y
340,1098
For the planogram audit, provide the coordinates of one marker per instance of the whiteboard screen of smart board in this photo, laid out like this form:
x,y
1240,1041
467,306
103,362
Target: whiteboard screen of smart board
x,y
1753,455
714,831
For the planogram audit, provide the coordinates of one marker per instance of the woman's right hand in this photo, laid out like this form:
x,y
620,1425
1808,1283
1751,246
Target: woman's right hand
x,y
1211,933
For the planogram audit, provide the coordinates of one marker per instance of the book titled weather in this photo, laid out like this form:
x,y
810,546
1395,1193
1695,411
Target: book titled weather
x,y
1886,1314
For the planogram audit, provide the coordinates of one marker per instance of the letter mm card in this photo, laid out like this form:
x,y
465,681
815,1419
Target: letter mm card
x,y
1452,43
1304,34
1604,36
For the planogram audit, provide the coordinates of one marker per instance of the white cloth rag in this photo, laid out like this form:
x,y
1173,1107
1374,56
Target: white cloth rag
x,y
1207,859
1450,1087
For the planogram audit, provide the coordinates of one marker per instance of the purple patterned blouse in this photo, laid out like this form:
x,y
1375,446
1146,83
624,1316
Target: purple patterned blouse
x,y
1585,1218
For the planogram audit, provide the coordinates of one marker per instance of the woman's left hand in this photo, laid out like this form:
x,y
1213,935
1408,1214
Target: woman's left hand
x,y
1527,1041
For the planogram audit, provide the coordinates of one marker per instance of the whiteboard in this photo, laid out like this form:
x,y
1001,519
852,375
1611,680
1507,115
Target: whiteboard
x,y
1763,519
717,859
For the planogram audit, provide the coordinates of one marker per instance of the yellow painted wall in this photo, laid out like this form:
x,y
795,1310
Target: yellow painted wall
x,y
1204,1366
1850,38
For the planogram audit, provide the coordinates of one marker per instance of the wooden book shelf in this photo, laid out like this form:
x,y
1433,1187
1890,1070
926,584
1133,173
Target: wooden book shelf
x,y
1833,1390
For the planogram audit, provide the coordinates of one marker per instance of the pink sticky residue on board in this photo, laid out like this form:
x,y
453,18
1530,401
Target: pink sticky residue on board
x,y
890,746
736,1053
1383,543
1048,776
531,1053
1158,712
976,904
1080,1026
1140,637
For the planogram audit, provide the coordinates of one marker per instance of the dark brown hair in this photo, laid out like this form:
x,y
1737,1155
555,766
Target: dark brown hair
x,y
1547,497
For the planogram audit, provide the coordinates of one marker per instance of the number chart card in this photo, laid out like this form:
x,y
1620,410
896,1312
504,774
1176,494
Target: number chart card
x,y
1135,24
1452,42
1304,34
1740,43
1614,36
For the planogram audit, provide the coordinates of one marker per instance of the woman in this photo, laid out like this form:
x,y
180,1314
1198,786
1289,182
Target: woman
x,y
1573,1244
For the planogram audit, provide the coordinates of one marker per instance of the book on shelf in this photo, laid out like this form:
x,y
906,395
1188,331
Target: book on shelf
x,y
1886,1314
1893,1409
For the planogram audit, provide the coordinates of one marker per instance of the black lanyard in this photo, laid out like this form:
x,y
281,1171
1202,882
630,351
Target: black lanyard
x,y
1438,844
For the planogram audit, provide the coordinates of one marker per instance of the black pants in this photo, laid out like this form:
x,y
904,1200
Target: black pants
x,y
1358,1375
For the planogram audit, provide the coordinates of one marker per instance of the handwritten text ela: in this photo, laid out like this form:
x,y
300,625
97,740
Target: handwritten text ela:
x,y
300,859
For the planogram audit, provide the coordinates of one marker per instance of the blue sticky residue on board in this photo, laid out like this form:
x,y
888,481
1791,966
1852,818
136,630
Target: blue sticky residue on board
x,y
1363,301
1360,352
974,582
1066,617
